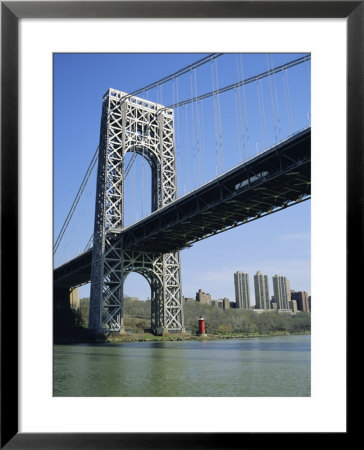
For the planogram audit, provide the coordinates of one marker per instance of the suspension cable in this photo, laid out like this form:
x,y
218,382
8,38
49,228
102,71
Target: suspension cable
x,y
242,82
177,74
78,196
76,200
88,245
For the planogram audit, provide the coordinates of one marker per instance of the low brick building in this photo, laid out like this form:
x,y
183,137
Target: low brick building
x,y
203,297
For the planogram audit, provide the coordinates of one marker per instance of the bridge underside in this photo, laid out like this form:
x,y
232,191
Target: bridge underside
x,y
272,180
276,180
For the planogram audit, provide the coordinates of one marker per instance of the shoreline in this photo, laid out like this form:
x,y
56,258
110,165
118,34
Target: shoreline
x,y
148,337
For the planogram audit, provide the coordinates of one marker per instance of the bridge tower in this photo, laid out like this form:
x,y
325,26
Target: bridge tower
x,y
131,124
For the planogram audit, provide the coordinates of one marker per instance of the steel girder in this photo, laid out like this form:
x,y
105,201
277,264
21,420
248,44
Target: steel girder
x,y
131,124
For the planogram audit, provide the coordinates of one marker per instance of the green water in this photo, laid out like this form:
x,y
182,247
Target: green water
x,y
258,367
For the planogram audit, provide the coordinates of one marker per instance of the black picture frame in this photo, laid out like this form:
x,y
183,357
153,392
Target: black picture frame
x,y
11,12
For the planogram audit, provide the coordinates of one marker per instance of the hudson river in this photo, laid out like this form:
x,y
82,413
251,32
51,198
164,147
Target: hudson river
x,y
256,367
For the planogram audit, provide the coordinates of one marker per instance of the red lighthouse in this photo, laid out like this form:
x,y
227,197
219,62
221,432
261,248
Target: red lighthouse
x,y
201,326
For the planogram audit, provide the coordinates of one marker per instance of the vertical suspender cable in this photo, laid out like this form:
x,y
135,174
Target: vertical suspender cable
x,y
245,106
263,113
193,119
289,101
274,113
221,148
239,115
134,190
276,101
187,153
176,150
198,132
143,194
197,160
286,96
203,142
215,118
238,125
161,94
261,137
308,78
179,137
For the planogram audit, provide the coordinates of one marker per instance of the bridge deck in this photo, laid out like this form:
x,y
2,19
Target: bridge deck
x,y
272,180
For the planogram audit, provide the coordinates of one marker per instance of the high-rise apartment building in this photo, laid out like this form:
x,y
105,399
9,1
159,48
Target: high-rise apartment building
x,y
242,292
293,306
282,291
261,291
225,303
301,298
74,299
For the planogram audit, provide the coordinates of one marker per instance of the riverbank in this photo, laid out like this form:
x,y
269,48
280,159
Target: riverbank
x,y
148,337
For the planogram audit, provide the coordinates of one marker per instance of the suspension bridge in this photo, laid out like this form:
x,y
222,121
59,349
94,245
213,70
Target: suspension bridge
x,y
261,165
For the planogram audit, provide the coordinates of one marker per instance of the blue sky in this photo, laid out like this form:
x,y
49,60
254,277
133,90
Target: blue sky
x,y
271,110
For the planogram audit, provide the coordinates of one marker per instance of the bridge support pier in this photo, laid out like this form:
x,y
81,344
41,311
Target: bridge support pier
x,y
63,313
61,298
162,271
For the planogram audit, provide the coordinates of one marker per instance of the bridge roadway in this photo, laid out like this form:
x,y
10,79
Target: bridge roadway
x,y
274,179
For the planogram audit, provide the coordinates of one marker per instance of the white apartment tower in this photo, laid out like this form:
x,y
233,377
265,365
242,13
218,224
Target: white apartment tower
x,y
242,292
261,291
282,291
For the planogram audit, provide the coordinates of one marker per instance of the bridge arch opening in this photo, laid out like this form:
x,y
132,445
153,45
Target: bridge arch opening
x,y
137,302
139,176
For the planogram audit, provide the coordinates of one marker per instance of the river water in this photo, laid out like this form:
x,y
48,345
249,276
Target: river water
x,y
256,367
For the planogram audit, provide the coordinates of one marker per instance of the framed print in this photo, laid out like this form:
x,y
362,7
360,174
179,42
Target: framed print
x,y
42,43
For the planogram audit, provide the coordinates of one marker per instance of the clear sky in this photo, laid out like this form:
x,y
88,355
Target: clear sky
x,y
210,138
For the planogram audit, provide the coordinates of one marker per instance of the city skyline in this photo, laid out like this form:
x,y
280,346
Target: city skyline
x,y
232,298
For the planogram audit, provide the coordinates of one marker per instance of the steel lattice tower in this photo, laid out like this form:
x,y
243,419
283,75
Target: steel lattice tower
x,y
131,124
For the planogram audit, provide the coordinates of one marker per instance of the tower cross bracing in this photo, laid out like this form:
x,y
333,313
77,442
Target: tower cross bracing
x,y
131,124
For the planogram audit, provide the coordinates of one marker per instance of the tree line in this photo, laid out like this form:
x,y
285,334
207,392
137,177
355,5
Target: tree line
x,y
217,320
244,321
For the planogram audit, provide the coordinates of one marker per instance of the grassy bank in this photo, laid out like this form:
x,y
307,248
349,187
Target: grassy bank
x,y
148,337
